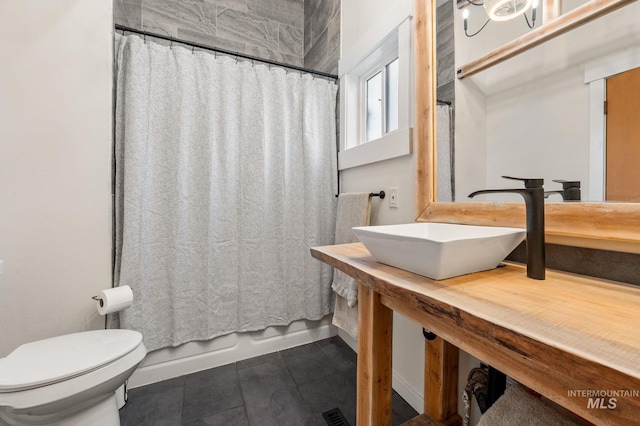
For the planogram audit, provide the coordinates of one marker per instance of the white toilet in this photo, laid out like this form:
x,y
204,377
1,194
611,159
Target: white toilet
x,y
68,380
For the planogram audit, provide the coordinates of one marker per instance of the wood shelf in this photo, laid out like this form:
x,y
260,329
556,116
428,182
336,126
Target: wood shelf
x,y
565,333
424,420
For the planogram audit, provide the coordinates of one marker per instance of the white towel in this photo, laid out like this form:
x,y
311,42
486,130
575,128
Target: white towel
x,y
353,210
518,407
345,317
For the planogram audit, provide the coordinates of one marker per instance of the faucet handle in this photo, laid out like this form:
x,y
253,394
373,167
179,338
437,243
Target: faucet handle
x,y
528,182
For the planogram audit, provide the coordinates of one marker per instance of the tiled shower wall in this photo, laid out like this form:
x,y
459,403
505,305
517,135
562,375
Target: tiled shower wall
x,y
269,29
322,35
446,72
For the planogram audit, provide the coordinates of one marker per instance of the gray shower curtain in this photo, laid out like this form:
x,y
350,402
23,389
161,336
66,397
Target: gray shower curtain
x,y
225,176
446,154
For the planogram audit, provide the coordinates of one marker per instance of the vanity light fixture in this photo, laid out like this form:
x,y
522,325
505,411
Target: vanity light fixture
x,y
502,10
505,10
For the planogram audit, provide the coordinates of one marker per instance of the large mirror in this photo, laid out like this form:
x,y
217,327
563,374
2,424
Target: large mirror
x,y
538,114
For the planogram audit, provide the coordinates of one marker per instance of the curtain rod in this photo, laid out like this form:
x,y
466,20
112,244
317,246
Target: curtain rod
x,y
226,52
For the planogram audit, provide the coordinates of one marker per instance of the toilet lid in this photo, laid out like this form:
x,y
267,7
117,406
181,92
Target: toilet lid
x,y
52,360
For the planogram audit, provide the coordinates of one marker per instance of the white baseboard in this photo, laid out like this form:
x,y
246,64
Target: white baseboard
x,y
407,393
191,357
346,337
197,356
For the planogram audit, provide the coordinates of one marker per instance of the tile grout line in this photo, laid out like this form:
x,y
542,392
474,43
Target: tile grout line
x,y
306,402
244,401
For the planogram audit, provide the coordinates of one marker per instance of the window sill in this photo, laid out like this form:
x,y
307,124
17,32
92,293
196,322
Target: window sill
x,y
392,145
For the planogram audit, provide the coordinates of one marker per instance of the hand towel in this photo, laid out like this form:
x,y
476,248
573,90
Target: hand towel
x,y
353,210
518,407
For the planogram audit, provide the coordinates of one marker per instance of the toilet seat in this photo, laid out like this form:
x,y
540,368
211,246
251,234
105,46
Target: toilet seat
x,y
57,359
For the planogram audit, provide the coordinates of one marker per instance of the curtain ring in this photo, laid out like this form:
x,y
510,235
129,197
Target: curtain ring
x,y
144,37
193,48
170,43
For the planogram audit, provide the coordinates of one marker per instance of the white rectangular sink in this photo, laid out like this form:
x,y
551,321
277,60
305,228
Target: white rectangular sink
x,y
440,250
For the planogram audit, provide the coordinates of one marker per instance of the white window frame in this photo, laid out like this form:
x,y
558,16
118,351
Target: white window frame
x,y
354,150
381,67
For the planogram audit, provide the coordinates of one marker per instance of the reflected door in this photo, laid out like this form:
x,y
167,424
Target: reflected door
x,y
623,137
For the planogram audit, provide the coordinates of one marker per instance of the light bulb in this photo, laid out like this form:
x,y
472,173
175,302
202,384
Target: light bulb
x,y
465,15
504,10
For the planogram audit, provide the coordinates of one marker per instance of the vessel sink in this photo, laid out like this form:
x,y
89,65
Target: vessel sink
x,y
439,250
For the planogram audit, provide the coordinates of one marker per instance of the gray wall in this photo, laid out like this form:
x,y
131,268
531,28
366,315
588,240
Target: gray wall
x,y
270,29
322,35
295,32
446,71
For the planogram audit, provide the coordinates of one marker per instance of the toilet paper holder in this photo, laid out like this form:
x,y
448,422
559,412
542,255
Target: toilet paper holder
x,y
97,298
114,299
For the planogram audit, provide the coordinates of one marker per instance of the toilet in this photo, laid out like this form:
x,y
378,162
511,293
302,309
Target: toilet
x,y
68,380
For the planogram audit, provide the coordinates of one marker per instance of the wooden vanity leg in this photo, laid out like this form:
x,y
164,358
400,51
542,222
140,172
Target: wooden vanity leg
x,y
375,333
441,382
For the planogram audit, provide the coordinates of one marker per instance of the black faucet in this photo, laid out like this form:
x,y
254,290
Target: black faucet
x,y
570,190
533,194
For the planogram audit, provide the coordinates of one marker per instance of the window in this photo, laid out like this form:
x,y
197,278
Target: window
x,y
391,91
373,111
380,96
375,101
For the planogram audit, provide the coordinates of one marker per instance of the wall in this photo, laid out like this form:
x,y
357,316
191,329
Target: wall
x,y
55,171
445,53
370,20
304,33
322,35
269,29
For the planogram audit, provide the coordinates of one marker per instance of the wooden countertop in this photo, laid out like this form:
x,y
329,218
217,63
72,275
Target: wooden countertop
x,y
560,336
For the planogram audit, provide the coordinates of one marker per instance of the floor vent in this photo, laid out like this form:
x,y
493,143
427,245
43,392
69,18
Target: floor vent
x,y
335,418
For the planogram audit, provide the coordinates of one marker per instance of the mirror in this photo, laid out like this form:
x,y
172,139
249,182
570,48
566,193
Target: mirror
x,y
608,226
539,114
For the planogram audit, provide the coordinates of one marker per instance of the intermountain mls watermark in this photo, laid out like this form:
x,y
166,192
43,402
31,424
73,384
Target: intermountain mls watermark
x,y
603,399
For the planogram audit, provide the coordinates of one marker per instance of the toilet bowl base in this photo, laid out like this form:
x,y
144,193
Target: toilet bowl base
x,y
103,413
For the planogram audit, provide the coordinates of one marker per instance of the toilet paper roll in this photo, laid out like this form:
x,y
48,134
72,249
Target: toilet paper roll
x,y
114,299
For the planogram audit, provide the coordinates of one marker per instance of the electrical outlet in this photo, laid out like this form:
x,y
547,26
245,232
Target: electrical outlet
x,y
393,197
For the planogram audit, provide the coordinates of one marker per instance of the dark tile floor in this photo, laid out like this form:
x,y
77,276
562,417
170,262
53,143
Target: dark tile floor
x,y
291,387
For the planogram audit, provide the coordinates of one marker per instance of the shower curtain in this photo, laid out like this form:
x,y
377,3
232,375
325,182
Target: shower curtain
x,y
225,176
446,154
